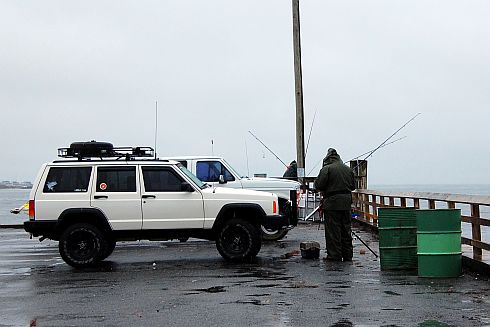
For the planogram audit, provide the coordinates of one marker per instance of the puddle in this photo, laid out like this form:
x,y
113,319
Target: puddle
x,y
267,285
259,295
433,323
254,302
392,293
301,284
342,323
213,289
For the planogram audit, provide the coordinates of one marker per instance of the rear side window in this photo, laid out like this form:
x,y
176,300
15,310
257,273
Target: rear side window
x,y
67,179
116,179
161,179
209,171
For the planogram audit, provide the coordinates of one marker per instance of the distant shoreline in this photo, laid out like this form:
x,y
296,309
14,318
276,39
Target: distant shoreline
x,y
3,187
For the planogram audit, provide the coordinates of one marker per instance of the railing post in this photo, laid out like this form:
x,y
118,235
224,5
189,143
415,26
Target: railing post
x,y
366,207
375,211
416,203
403,202
381,201
451,205
432,204
392,201
476,231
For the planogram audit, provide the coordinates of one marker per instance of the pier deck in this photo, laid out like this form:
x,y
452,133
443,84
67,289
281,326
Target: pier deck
x,y
172,283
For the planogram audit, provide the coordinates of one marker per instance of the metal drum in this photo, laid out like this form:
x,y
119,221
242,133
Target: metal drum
x,y
439,242
397,238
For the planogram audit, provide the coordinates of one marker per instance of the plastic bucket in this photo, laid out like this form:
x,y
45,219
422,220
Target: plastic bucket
x,y
439,242
397,238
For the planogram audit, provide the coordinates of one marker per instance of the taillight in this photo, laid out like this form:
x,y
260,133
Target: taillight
x,y
274,207
32,211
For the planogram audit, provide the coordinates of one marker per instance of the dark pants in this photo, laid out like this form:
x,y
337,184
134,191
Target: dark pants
x,y
338,234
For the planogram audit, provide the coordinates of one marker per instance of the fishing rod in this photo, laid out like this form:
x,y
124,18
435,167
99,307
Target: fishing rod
x,y
309,135
355,158
375,254
389,138
401,138
268,149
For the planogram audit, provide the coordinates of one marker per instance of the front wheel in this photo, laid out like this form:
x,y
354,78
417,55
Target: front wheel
x,y
273,235
238,240
82,245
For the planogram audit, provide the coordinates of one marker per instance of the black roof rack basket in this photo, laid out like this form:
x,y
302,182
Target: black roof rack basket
x,y
93,149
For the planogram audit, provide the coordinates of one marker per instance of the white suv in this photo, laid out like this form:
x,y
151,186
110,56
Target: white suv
x,y
103,195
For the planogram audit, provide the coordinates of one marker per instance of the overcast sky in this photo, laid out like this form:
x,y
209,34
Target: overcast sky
x,y
75,71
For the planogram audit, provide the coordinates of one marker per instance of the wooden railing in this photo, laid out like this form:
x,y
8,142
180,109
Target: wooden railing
x,y
367,202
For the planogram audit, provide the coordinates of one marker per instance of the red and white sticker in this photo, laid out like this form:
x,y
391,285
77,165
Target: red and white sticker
x,y
103,186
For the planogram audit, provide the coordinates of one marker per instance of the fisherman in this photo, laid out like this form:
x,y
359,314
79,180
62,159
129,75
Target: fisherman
x,y
292,170
336,181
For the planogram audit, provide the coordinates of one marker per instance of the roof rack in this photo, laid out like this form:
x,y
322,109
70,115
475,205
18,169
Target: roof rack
x,y
93,149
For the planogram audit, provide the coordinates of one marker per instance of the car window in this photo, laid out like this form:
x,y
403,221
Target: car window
x,y
67,179
161,179
116,179
209,171
193,177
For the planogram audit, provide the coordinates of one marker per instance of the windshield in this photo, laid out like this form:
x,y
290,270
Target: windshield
x,y
193,177
230,167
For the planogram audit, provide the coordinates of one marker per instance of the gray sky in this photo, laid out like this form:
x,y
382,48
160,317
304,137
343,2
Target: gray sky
x,y
74,71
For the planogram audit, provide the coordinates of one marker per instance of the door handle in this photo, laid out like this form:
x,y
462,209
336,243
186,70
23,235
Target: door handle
x,y
148,196
101,197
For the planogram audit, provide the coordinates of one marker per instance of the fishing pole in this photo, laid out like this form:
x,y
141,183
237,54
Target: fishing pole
x,y
401,138
309,135
268,148
389,138
355,158
376,255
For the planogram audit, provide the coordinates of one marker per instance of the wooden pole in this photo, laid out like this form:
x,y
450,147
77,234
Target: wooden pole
x,y
298,86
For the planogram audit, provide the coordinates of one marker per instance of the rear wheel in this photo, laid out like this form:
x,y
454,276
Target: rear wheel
x,y
238,240
82,245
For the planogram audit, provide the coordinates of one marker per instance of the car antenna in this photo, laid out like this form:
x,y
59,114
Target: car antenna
x,y
212,147
156,127
246,155
268,149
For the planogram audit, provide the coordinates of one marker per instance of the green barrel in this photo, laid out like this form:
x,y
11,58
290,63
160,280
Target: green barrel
x,y
439,242
397,238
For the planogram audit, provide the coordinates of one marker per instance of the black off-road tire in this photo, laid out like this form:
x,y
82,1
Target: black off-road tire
x,y
82,245
272,235
110,246
238,240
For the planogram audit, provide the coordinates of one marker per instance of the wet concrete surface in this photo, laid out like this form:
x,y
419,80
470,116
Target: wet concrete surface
x,y
189,284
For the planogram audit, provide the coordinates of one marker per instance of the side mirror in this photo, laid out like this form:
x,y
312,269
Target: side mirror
x,y
221,179
186,187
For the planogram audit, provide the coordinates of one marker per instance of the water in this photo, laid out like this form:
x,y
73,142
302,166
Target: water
x,y
10,199
467,189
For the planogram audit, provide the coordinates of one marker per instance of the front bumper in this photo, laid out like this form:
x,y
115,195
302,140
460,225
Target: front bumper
x,y
288,217
275,222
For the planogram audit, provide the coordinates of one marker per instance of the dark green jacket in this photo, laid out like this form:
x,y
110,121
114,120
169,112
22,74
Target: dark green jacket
x,y
336,181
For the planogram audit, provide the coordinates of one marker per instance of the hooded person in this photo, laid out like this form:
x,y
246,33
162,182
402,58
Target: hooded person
x,y
292,170
336,182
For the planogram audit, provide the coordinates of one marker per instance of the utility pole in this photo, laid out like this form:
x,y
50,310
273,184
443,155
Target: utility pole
x,y
298,86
